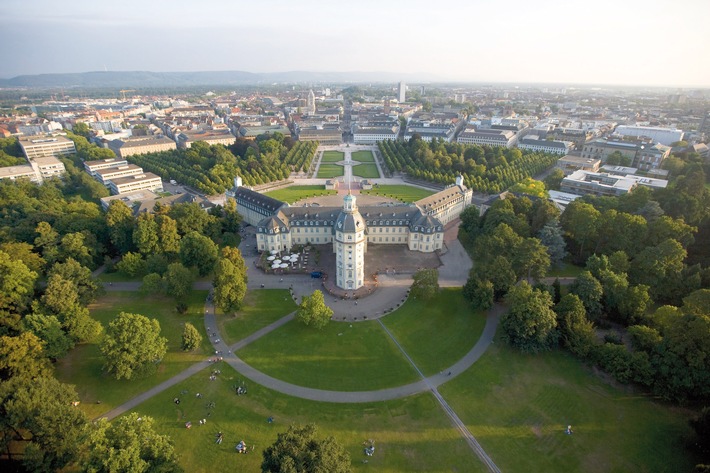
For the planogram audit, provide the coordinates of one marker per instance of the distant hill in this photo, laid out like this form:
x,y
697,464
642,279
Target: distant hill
x,y
183,79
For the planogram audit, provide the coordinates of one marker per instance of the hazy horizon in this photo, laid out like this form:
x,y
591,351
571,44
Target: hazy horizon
x,y
613,43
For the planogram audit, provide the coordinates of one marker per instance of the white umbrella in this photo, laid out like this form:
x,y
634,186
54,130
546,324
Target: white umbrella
x,y
273,252
271,258
277,261
294,255
274,266
284,265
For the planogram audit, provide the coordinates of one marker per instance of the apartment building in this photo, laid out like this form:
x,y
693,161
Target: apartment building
x,y
141,145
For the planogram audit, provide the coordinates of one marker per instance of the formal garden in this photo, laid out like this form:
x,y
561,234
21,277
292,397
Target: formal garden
x,y
293,194
326,171
403,193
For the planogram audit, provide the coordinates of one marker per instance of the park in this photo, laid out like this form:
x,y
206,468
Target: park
x,y
377,378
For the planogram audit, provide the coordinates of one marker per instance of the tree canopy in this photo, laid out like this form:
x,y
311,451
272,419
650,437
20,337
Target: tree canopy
x,y
313,311
132,346
298,450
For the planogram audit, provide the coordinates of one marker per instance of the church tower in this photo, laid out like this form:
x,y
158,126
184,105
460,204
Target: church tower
x,y
311,103
349,245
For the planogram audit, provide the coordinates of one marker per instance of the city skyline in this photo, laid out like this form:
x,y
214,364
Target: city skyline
x,y
627,43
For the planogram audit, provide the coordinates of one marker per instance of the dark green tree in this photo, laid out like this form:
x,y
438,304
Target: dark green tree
x,y
529,325
576,331
590,292
198,251
38,413
119,219
178,281
298,450
132,346
426,284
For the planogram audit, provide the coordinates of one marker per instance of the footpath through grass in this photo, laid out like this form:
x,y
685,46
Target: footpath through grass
x,y
326,171
366,170
261,307
438,333
403,193
295,193
363,156
332,156
340,357
518,407
411,434
83,365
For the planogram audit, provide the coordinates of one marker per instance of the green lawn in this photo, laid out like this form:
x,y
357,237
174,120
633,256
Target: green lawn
x,y
411,434
438,333
295,193
363,156
565,270
261,307
366,170
518,407
332,156
83,365
400,192
330,170
341,357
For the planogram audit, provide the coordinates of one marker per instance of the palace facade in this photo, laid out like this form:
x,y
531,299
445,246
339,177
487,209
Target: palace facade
x,y
350,229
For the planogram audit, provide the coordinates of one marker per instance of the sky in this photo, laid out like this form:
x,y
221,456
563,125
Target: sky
x,y
617,42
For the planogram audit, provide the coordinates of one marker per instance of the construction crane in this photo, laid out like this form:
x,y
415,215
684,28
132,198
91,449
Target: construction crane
x,y
123,93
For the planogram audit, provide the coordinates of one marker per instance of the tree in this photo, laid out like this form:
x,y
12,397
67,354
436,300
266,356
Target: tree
x,y
198,251
551,236
530,323
168,236
129,443
152,284
530,186
682,360
618,159
479,292
229,286
576,332
38,412
132,346
87,287
145,235
23,356
17,283
581,223
313,311
81,129
531,259
554,179
633,306
178,281
131,264
191,338
299,451
426,284
62,298
590,291
119,219
500,273
55,341
234,255
23,252
74,245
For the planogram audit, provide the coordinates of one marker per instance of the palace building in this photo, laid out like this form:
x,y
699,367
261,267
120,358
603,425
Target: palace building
x,y
350,229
